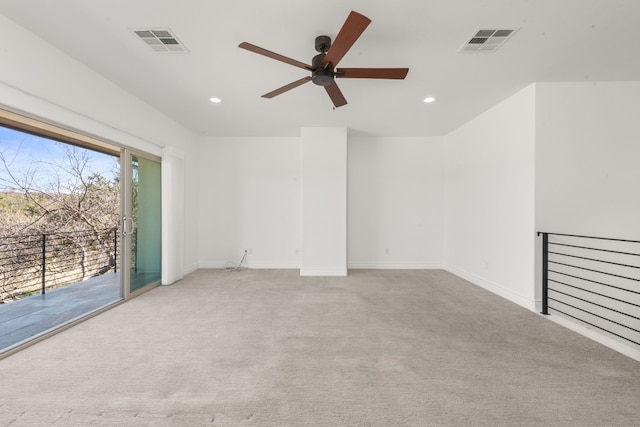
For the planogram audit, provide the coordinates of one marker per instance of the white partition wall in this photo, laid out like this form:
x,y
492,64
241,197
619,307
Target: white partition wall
x,y
489,199
324,202
173,224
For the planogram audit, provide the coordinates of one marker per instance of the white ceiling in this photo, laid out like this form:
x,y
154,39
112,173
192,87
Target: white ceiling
x,y
558,40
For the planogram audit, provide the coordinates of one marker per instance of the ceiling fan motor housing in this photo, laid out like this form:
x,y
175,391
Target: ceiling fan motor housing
x,y
320,75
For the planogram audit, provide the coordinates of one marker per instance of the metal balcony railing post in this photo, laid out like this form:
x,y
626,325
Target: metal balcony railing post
x,y
545,273
115,250
44,260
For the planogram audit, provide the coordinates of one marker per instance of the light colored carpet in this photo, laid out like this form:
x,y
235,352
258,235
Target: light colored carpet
x,y
271,348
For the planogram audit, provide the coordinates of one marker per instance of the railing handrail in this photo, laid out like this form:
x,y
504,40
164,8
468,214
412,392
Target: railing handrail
x,y
55,233
587,237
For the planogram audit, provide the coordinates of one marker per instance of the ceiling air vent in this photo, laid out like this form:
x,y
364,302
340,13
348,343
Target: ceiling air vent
x,y
487,40
161,40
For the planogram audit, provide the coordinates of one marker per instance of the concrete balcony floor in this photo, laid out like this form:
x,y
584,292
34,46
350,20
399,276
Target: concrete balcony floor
x,y
29,317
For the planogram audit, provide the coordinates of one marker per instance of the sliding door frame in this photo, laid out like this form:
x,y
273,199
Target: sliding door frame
x,y
126,222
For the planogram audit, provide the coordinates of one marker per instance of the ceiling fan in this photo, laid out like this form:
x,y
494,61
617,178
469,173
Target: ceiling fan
x,y
323,66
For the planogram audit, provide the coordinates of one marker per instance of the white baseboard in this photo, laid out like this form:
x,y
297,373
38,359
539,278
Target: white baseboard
x,y
395,265
323,271
268,266
613,344
249,264
210,263
493,287
190,268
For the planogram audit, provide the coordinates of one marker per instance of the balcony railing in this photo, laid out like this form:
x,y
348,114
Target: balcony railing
x,y
595,282
34,263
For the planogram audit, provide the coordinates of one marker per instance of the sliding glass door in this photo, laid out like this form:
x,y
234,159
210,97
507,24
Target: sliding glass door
x,y
80,227
141,222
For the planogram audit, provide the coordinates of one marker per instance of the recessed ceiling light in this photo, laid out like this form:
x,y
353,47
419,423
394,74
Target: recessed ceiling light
x,y
215,100
429,99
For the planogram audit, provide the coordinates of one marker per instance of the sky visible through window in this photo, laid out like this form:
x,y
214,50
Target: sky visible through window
x,y
22,151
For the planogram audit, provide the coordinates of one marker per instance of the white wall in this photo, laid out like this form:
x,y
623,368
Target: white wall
x,y
588,183
395,204
587,159
489,199
42,82
250,199
324,202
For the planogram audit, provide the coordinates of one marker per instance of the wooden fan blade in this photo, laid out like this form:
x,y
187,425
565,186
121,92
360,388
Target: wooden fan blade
x,y
336,95
372,73
273,55
353,27
285,88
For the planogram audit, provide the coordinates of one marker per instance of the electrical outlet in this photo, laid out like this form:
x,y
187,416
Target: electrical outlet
x,y
249,251
386,251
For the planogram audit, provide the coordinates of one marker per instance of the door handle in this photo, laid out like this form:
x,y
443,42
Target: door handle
x,y
125,229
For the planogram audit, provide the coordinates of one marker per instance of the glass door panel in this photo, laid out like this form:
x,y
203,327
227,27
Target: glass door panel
x,y
145,214
142,224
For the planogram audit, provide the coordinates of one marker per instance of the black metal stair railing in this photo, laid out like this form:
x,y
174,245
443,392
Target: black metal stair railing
x,y
594,281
